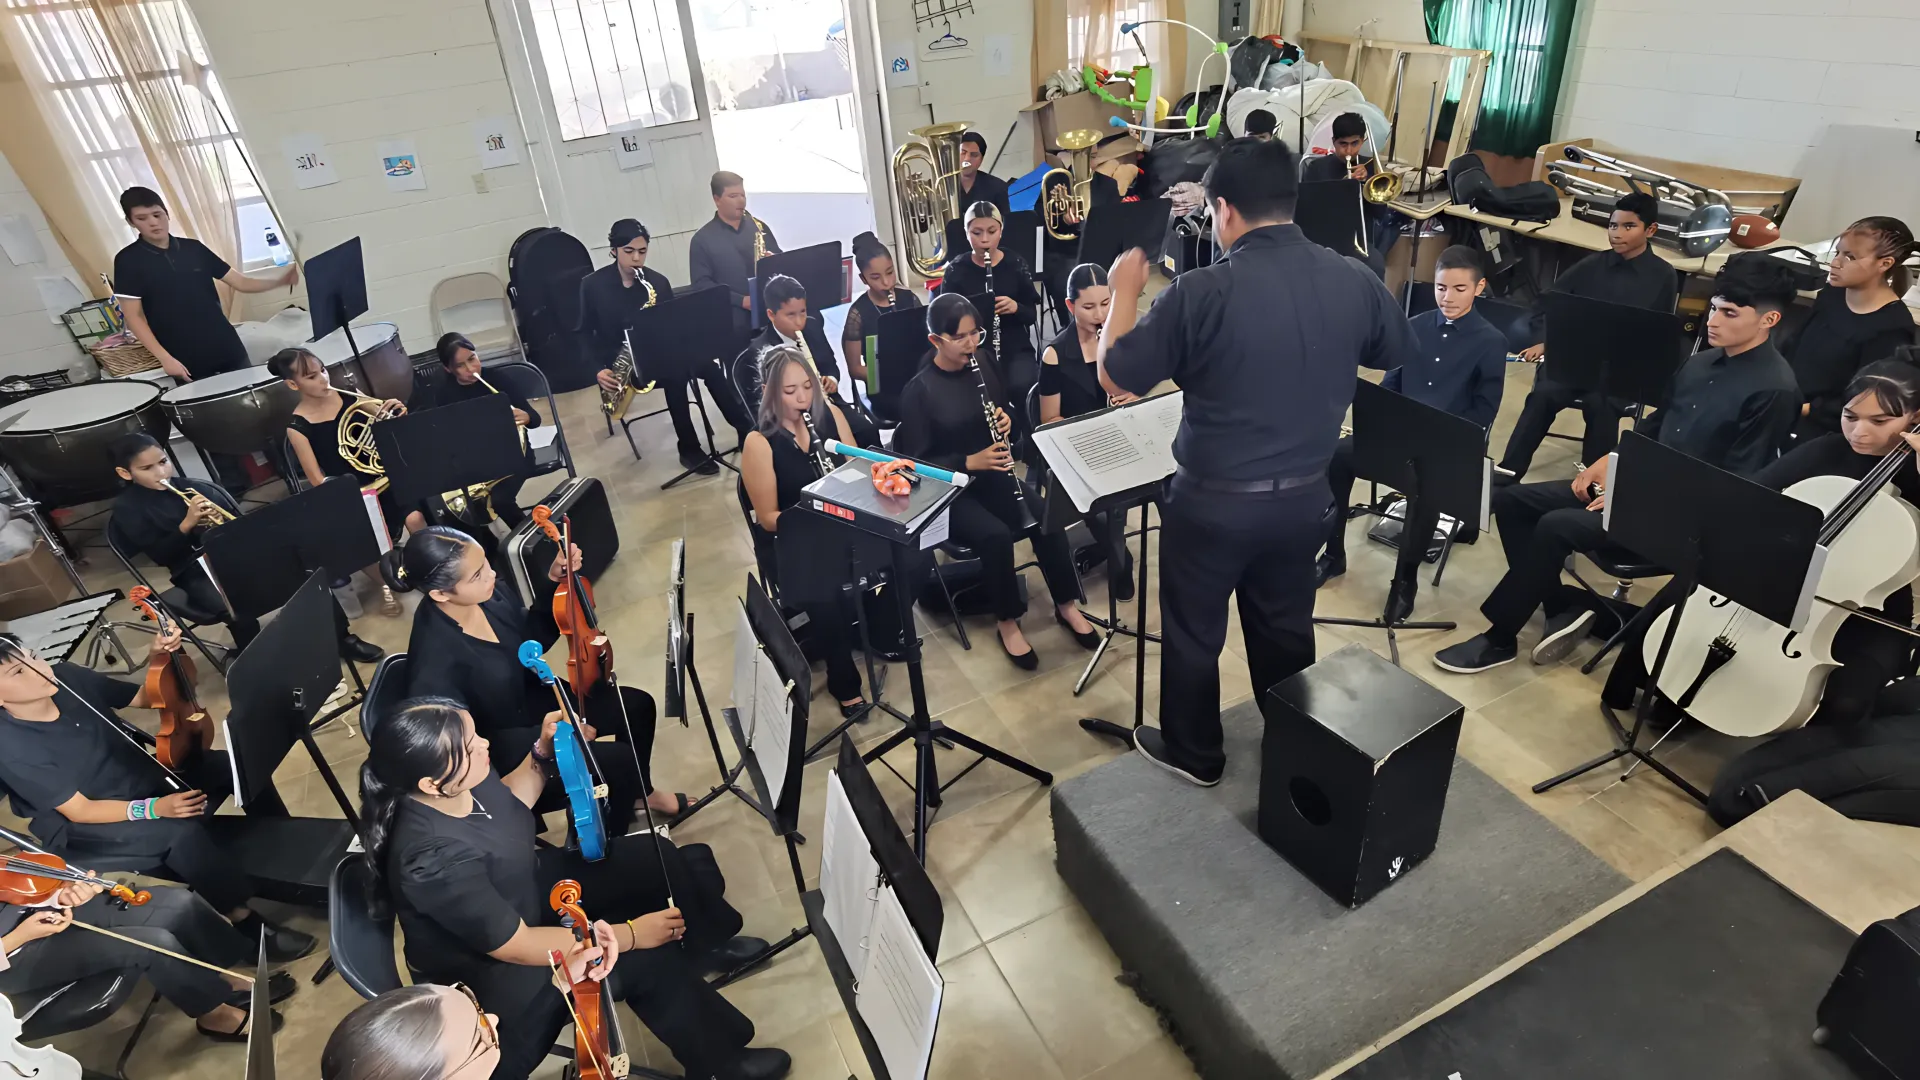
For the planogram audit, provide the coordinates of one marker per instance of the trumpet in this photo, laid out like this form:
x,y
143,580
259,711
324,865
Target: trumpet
x,y
356,435
214,513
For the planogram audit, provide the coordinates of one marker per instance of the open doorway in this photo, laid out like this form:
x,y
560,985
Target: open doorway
x,y
779,80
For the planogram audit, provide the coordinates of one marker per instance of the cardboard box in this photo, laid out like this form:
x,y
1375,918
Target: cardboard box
x,y
1070,113
32,583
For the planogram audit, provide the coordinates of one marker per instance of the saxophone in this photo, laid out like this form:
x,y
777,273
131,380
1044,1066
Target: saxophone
x,y
759,240
614,402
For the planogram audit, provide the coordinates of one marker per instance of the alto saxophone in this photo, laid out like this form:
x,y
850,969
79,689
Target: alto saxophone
x,y
759,240
614,402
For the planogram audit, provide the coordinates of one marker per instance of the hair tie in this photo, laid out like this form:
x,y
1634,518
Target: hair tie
x,y
400,571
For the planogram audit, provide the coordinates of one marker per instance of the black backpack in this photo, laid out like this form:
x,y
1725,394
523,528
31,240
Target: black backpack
x,y
1469,184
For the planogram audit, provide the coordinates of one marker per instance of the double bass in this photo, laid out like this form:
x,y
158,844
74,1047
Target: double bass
x,y
599,1050
185,728
1740,673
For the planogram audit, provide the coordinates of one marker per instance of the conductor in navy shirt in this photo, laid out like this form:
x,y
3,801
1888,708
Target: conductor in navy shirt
x,y
1266,345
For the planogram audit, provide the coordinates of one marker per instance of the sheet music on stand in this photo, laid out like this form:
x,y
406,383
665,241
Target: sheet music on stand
x,y
1114,450
764,701
899,994
849,876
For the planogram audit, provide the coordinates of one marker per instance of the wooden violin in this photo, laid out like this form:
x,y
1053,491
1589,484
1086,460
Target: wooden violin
x,y
599,1051
589,653
185,727
33,877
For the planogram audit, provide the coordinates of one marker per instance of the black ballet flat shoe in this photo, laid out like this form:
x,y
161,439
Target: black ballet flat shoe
x,y
696,462
363,652
848,712
240,1036
284,944
280,986
759,1063
1027,661
1089,640
729,955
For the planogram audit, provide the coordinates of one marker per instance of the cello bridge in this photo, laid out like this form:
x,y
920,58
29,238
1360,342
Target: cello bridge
x,y
599,791
618,1065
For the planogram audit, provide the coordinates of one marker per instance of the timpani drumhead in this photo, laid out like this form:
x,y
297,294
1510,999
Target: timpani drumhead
x,y
78,406
214,386
333,349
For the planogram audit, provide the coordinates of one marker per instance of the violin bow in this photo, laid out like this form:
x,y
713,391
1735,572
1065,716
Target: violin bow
x,y
560,979
161,951
173,778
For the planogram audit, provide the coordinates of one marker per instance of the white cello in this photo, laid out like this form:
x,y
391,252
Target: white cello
x,y
18,1062
1743,674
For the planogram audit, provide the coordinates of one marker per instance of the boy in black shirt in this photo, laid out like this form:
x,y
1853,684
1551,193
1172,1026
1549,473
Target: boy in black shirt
x,y
73,771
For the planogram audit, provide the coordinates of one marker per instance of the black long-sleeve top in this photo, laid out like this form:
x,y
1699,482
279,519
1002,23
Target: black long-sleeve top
x,y
1731,412
1461,366
507,701
941,418
722,254
448,390
1833,344
150,520
1011,278
1644,281
608,306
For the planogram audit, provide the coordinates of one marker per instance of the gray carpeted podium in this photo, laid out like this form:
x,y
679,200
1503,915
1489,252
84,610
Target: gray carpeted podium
x,y
1260,972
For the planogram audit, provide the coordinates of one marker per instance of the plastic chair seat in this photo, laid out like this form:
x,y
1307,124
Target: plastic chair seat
x,y
1617,562
74,1006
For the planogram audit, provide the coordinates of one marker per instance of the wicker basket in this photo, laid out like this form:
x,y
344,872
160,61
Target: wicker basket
x,y
118,360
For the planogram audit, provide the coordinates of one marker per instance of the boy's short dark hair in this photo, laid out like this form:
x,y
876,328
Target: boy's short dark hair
x,y
781,289
136,197
134,443
1260,122
1259,179
1350,125
1640,205
978,140
1461,257
1756,280
723,180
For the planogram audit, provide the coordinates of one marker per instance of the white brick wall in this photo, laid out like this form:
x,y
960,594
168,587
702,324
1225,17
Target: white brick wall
x,y
357,72
29,343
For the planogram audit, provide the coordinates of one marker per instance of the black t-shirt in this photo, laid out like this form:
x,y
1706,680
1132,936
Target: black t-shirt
x,y
45,764
150,520
174,285
1835,343
608,306
462,886
1011,279
507,701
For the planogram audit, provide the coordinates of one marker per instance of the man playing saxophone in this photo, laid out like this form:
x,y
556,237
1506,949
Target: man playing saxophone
x,y
725,249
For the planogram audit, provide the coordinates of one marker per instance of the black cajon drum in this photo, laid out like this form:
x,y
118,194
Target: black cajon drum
x,y
1354,770
1867,1017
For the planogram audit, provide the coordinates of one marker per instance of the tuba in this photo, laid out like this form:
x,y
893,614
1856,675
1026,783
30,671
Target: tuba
x,y
1067,204
926,186
356,436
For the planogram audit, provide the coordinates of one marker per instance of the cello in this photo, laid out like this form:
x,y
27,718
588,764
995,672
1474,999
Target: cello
x,y
1743,674
185,728
599,1050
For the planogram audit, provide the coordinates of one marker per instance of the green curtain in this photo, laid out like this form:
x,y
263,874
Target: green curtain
x,y
1528,40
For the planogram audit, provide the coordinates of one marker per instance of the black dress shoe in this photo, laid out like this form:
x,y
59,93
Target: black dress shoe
x,y
731,954
284,944
759,1063
280,987
1027,661
696,461
1326,568
1149,744
1089,640
362,652
1120,583
1400,596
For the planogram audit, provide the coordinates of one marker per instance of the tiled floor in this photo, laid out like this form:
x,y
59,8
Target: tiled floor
x,y
1032,990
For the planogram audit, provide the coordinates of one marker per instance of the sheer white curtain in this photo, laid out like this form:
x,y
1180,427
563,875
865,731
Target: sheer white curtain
x,y
1070,33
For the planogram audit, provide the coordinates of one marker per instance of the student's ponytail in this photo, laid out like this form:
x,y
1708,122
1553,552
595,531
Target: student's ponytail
x,y
424,739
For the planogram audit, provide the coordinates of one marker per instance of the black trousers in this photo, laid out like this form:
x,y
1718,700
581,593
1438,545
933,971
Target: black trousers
x,y
1544,402
832,626
1257,548
1018,373
614,755
1113,542
174,919
1419,527
663,986
986,519
1540,525
1868,770
720,391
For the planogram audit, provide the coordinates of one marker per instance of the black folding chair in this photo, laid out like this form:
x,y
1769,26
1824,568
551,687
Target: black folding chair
x,y
175,600
385,691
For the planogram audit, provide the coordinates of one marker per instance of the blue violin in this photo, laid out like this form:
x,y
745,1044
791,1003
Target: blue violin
x,y
575,763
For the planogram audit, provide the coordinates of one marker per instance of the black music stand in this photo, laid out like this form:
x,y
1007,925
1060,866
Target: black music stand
x,y
1329,212
260,1063
337,290
1117,227
450,448
1617,350
818,268
899,523
900,347
1432,457
676,337
820,563
1752,545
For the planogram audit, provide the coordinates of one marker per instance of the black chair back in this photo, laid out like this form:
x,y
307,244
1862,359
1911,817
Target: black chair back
x,y
385,692
73,1006
361,944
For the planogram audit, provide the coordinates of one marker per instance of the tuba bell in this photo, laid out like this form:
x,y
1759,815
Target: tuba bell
x,y
1067,204
356,436
926,186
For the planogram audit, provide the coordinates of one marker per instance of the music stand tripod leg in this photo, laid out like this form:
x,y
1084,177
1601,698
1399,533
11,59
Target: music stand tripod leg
x,y
714,453
1141,637
729,775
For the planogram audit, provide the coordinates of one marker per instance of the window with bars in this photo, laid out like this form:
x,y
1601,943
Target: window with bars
x,y
614,63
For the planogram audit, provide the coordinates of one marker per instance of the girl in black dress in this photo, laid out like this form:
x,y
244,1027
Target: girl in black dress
x,y
776,461
943,421
1013,303
313,432
465,647
875,265
1857,319
451,850
1070,386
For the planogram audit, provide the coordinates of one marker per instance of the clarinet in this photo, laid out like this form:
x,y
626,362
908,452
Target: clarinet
x,y
995,301
1027,520
818,451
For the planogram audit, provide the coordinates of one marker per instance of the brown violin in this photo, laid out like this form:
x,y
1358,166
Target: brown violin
x,y
33,877
589,653
185,727
599,1051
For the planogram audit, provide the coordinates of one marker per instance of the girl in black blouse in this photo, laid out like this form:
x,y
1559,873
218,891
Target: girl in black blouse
x,y
942,422
451,850
776,461
465,647
1070,386
1013,302
875,265
1857,319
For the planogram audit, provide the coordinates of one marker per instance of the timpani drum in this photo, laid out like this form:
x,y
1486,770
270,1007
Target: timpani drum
x,y
58,441
234,412
383,369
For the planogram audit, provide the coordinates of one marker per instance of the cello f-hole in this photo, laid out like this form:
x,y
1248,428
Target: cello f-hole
x,y
1786,646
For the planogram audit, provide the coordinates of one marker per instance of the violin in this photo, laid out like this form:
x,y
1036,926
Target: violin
x,y
599,1051
33,877
575,763
589,653
185,727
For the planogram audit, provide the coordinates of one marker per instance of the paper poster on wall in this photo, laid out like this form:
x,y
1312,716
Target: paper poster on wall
x,y
401,165
58,295
307,156
498,142
21,240
631,147
998,61
900,69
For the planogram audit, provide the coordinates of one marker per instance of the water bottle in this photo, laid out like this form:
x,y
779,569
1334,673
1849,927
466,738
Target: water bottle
x,y
281,256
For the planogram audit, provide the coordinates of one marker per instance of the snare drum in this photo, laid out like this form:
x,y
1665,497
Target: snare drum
x,y
234,412
58,441
383,369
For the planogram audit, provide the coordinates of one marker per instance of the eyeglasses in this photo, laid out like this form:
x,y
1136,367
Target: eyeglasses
x,y
976,337
485,1038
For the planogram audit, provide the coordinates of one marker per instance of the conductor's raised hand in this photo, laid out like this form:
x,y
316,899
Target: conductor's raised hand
x,y
1128,275
558,570
995,458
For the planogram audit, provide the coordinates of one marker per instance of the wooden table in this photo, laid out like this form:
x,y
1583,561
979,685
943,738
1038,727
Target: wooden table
x,y
1856,872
